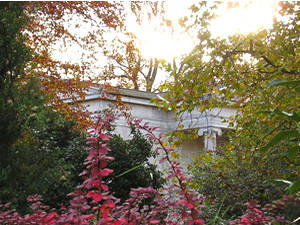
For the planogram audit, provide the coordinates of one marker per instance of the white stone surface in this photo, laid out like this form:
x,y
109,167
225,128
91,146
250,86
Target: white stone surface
x,y
210,123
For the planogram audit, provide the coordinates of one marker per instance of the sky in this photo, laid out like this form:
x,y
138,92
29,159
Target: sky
x,y
157,41
242,18
246,17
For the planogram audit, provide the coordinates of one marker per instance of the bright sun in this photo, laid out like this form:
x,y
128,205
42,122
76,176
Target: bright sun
x,y
244,17
163,43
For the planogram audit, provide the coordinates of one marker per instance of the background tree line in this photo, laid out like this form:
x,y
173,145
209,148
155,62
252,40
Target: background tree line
x,y
243,72
43,147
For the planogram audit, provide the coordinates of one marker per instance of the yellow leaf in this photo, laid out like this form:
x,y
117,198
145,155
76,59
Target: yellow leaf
x,y
175,155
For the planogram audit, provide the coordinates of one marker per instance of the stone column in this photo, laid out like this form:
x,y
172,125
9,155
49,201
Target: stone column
x,y
210,139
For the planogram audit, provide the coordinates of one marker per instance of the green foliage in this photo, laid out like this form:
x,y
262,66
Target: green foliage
x,y
46,160
238,174
40,151
213,213
131,166
291,136
217,74
238,177
13,56
13,52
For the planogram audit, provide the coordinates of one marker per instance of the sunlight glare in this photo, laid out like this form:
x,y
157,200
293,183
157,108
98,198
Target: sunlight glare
x,y
166,43
163,42
244,18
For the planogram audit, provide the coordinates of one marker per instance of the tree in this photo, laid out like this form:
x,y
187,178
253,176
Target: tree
x,y
126,65
92,203
129,67
217,68
14,55
46,160
40,150
54,25
131,166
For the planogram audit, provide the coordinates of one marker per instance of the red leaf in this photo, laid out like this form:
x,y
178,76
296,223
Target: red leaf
x,y
111,205
104,187
199,221
95,172
103,149
96,183
103,164
97,197
105,137
162,159
83,173
190,205
154,221
182,202
105,172
90,194
117,222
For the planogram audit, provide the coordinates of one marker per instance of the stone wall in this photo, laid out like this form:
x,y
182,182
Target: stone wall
x,y
210,123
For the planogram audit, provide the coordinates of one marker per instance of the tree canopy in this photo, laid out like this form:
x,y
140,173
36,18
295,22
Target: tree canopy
x,y
80,26
42,150
236,72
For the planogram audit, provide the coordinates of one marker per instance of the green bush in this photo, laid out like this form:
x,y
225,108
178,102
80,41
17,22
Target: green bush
x,y
245,169
131,166
46,160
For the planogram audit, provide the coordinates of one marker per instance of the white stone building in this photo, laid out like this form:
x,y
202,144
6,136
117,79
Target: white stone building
x,y
210,124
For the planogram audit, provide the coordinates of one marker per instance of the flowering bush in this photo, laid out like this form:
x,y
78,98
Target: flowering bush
x,y
92,202
271,214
